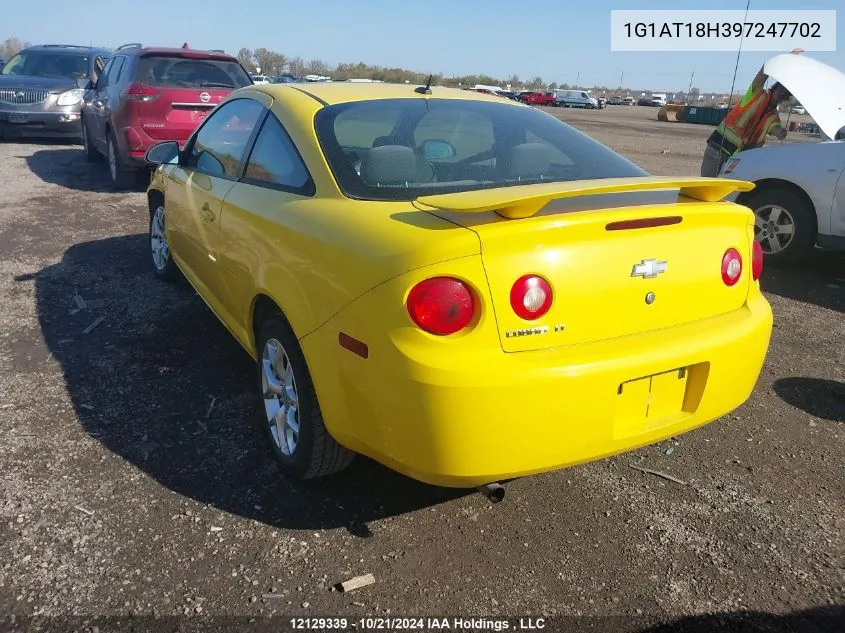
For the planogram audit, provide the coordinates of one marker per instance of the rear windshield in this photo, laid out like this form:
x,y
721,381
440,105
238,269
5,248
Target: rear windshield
x,y
48,64
169,71
399,149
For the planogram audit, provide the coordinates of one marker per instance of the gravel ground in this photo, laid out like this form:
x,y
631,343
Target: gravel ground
x,y
123,492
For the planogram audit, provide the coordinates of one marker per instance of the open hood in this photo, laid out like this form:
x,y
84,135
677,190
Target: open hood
x,y
818,87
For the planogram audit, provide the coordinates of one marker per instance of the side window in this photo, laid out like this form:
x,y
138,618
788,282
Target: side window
x,y
276,161
103,80
97,69
114,72
120,71
220,144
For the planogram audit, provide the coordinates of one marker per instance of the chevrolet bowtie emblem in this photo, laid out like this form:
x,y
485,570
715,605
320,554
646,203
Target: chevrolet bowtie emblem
x,y
648,268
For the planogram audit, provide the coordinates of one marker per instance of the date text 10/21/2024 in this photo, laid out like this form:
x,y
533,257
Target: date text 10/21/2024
x,y
417,624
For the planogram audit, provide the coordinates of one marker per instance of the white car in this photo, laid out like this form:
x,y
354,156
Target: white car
x,y
799,198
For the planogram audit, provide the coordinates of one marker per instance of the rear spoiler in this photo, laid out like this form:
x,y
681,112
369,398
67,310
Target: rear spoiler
x,y
523,201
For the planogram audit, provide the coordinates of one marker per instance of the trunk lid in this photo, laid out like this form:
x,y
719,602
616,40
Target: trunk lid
x,y
603,246
176,112
182,89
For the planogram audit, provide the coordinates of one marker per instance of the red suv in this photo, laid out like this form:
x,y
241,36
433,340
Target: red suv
x,y
147,95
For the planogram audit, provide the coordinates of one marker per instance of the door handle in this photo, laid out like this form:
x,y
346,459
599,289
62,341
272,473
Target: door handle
x,y
207,213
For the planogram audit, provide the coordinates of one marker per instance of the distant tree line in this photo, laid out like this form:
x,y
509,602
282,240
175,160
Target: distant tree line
x,y
274,63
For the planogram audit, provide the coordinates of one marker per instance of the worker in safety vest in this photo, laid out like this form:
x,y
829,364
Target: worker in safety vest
x,y
748,124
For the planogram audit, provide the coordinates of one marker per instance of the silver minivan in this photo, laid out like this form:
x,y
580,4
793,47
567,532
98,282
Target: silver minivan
x,y
575,99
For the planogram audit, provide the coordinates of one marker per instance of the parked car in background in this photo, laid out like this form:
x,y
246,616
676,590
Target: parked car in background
x,y
615,101
146,95
42,87
260,79
575,99
799,200
536,98
299,212
798,109
286,79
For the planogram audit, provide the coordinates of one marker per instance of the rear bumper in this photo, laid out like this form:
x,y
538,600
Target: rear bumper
x,y
133,143
461,419
65,123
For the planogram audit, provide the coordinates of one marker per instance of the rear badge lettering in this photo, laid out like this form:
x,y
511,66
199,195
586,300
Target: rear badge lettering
x,y
541,329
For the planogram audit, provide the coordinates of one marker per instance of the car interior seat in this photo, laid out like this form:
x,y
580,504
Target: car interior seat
x,y
425,172
528,161
389,165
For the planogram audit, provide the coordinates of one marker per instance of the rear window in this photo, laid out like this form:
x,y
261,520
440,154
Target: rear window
x,y
169,71
399,149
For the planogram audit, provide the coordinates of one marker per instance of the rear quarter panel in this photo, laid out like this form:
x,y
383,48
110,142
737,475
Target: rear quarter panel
x,y
314,256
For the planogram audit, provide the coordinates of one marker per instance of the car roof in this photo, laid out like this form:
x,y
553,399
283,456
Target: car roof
x,y
137,49
334,92
70,48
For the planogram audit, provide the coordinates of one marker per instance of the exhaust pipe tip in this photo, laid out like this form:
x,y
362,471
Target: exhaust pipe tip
x,y
494,492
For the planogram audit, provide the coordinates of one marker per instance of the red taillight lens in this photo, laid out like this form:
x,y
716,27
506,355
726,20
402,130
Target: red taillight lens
x,y
531,297
441,305
756,260
141,92
731,266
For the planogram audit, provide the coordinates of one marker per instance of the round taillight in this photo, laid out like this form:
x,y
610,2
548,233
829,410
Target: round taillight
x,y
441,305
531,297
731,266
756,260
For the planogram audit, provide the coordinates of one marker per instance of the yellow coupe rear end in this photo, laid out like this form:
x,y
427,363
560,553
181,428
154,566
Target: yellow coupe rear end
x,y
597,317
461,287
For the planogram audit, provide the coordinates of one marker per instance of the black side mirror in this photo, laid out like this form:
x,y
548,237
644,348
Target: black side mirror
x,y
165,153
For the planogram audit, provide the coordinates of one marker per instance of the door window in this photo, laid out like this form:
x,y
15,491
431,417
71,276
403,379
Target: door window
x,y
103,79
276,162
220,144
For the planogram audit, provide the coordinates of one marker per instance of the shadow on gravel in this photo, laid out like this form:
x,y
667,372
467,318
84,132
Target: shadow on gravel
x,y
70,168
820,280
817,620
821,398
143,382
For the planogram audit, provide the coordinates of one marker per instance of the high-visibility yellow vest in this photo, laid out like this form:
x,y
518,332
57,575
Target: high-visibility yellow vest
x,y
743,119
757,135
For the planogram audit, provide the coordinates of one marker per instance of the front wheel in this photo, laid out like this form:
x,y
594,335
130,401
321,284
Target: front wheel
x,y
784,225
289,409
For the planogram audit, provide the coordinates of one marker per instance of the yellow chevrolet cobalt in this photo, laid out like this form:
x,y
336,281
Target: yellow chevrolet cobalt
x,y
458,286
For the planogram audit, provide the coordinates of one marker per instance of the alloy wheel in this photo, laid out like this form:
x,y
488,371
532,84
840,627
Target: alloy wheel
x,y
281,402
774,228
158,240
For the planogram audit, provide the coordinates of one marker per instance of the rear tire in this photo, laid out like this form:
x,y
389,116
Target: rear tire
x,y
121,178
785,225
291,415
